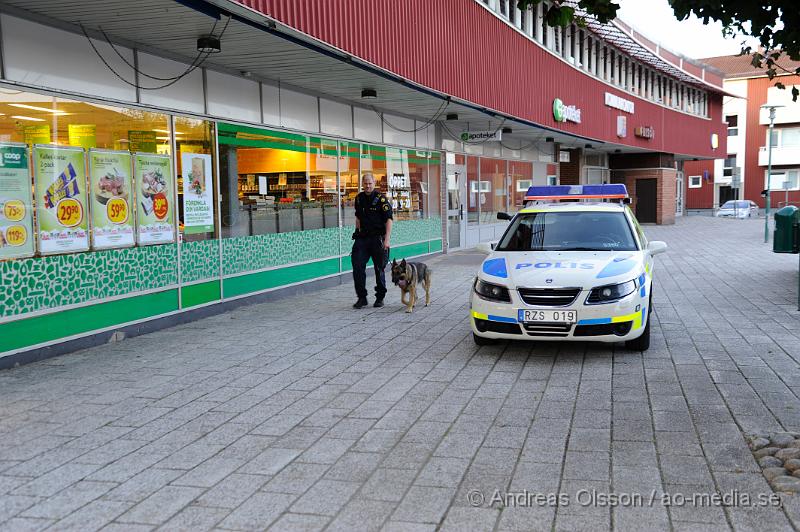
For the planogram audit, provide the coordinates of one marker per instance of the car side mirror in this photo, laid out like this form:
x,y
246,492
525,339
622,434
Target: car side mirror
x,y
656,246
484,247
503,216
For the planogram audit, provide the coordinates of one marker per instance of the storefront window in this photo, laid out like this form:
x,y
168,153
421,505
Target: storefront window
x,y
493,192
196,181
475,190
84,183
284,182
349,182
434,185
521,178
373,160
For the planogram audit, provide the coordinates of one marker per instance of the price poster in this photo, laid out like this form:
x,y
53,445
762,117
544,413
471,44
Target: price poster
x,y
198,200
111,197
61,199
155,204
16,215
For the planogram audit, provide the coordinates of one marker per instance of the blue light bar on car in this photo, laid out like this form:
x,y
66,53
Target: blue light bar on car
x,y
555,192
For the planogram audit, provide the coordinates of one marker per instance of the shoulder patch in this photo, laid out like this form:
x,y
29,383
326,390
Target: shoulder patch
x,y
385,207
383,200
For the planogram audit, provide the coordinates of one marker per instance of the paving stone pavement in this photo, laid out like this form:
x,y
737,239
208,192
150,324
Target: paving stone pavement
x,y
303,414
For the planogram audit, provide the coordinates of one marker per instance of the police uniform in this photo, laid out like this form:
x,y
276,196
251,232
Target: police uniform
x,y
373,211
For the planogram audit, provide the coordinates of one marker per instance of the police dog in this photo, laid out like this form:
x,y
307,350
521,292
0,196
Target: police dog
x,y
407,275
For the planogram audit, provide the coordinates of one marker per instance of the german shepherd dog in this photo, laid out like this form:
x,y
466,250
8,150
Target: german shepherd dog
x,y
407,275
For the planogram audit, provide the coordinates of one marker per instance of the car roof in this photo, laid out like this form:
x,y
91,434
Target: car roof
x,y
574,207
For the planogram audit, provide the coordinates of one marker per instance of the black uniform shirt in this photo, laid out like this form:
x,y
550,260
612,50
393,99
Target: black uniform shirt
x,y
373,210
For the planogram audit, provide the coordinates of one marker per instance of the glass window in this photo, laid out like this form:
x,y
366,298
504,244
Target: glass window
x,y
729,165
195,137
493,189
784,180
434,185
569,231
473,190
521,174
695,181
276,182
349,183
790,137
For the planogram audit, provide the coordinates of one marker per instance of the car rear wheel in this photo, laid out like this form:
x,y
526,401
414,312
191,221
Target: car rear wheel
x,y
480,340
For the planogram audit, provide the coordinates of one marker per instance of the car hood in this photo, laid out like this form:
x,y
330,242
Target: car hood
x,y
562,268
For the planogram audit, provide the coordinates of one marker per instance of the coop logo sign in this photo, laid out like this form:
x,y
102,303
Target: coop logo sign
x,y
612,100
565,113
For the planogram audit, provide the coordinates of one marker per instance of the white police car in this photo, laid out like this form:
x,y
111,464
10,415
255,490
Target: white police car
x,y
574,271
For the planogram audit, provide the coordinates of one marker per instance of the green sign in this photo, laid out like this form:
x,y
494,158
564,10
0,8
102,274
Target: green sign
x,y
61,199
83,135
16,214
142,141
565,113
111,191
155,194
39,134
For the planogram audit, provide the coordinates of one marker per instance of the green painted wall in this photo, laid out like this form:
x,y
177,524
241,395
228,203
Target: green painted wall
x,y
254,282
49,327
197,294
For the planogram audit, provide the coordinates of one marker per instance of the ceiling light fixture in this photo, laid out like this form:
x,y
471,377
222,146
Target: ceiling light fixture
x,y
28,118
549,139
369,94
587,146
208,44
618,150
165,131
506,130
451,116
34,108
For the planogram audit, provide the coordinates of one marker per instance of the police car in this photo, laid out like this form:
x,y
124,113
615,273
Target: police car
x,y
574,271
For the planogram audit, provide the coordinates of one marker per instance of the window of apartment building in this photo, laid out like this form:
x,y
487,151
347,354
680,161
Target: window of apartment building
x,y
784,180
733,125
785,137
728,165
695,181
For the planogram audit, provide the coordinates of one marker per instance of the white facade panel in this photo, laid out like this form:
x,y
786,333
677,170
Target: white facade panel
x,y
299,111
788,114
367,125
232,97
271,104
335,118
398,130
186,94
47,57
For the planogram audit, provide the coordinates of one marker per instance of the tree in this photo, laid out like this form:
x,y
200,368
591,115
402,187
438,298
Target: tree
x,y
775,24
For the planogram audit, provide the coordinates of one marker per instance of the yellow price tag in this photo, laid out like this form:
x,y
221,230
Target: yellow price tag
x,y
14,210
69,212
117,210
16,235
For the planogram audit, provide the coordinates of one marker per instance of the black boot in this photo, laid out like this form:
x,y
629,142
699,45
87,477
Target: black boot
x,y
378,303
361,303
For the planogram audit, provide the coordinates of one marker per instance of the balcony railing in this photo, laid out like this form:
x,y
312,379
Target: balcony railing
x,y
783,155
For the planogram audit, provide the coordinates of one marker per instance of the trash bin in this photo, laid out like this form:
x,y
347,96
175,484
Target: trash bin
x,y
787,230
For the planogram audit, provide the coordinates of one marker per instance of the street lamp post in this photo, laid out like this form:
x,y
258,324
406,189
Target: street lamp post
x,y
769,164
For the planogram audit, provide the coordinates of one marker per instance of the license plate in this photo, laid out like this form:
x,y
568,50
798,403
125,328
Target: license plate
x,y
547,316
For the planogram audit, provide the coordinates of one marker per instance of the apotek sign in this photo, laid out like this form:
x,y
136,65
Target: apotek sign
x,y
481,136
644,132
565,113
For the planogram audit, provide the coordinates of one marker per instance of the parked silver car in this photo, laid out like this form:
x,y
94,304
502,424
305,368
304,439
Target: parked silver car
x,y
738,209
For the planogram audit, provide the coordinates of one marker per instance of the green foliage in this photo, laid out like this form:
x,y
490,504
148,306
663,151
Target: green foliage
x,y
775,24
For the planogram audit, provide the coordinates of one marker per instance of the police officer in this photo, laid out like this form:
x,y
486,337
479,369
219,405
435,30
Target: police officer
x,y
373,232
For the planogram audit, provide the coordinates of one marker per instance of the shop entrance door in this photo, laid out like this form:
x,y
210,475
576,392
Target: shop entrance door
x,y
646,200
679,194
456,195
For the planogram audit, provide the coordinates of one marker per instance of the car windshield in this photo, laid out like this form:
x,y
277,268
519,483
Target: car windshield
x,y
569,231
736,205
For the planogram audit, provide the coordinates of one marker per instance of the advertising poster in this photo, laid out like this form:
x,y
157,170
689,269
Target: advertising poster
x,y
61,199
198,196
142,141
16,216
83,135
155,199
111,196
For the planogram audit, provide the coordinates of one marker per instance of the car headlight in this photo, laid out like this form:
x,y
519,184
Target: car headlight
x,y
492,292
610,293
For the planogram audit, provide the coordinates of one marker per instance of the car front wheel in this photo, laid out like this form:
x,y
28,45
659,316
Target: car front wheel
x,y
643,342
480,340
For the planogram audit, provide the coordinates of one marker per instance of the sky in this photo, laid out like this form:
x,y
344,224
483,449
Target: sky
x,y
655,19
